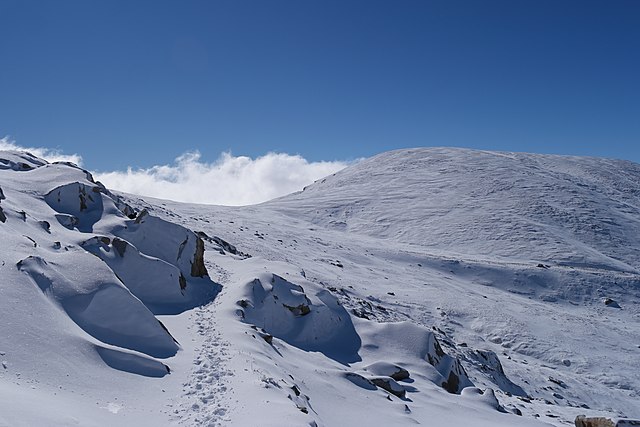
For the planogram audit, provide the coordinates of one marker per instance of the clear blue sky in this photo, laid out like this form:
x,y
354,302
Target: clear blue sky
x,y
140,82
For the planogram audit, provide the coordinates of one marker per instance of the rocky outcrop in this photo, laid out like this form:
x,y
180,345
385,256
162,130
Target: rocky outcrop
x,y
197,265
449,367
120,246
160,285
222,245
67,221
489,364
78,200
390,385
20,161
167,241
583,421
610,302
3,217
396,372
311,321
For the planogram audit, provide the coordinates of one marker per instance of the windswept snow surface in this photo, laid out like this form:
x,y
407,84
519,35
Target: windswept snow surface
x,y
441,287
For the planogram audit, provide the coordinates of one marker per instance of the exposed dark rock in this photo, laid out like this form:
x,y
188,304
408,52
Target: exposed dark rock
x,y
141,216
360,381
3,217
396,372
198,268
35,245
24,166
82,194
389,384
582,421
611,303
360,313
223,244
490,365
449,367
183,282
267,337
67,221
558,382
120,246
296,390
299,310
400,374
45,225
182,246
452,383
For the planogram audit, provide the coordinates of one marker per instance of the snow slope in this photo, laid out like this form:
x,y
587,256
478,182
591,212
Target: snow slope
x,y
425,286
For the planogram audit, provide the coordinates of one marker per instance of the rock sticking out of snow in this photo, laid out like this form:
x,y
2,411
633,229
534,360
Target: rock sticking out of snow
x,y
312,322
582,421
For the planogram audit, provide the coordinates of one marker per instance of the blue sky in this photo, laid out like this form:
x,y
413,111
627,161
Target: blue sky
x,y
138,83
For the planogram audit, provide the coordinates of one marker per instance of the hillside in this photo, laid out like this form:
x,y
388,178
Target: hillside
x,y
442,286
565,210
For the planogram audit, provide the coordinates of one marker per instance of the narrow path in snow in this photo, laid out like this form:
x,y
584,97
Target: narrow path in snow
x,y
205,394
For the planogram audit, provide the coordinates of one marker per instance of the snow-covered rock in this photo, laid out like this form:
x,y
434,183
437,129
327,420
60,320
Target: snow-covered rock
x,y
312,322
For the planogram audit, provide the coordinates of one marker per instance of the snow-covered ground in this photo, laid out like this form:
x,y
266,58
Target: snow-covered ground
x,y
426,286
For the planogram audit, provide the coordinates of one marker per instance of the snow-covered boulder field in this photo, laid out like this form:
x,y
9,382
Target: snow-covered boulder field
x,y
83,276
442,287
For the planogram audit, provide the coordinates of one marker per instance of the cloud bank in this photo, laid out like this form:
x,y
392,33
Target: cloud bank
x,y
230,180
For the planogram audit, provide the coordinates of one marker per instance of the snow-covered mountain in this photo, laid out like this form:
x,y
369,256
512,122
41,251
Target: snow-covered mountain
x,y
428,286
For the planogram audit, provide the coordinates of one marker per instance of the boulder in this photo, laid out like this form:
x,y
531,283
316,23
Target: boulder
x,y
390,385
396,372
583,421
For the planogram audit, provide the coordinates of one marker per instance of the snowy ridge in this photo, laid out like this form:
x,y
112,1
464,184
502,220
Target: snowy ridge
x,y
425,286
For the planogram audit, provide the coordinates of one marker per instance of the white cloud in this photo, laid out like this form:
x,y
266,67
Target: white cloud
x,y
230,180
48,154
